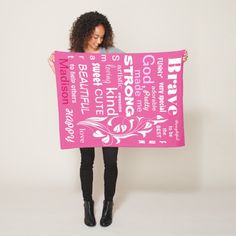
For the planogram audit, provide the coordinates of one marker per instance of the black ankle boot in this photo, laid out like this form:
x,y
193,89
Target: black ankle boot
x,y
106,219
89,218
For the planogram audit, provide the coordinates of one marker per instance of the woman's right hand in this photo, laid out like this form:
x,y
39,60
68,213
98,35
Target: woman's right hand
x,y
51,61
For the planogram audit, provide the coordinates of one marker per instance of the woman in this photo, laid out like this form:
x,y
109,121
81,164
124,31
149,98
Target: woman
x,y
92,33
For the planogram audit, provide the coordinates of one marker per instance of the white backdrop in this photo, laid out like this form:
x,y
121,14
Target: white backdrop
x,y
30,153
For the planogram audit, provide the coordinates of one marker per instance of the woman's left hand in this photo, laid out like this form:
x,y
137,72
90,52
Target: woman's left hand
x,y
185,57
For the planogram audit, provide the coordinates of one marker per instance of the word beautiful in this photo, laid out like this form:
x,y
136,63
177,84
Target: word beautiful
x,y
132,99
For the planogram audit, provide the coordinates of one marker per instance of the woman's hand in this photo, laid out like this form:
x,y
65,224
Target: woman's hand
x,y
185,57
51,61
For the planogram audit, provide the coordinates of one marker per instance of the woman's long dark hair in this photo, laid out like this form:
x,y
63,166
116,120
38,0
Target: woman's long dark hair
x,y
83,28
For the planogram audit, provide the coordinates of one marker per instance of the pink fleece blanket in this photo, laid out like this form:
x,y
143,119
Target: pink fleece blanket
x,y
126,100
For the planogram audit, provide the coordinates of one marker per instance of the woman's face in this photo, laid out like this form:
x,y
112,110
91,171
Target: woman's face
x,y
96,39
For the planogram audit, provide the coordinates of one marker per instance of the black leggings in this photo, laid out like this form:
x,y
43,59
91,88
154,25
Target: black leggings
x,y
110,172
